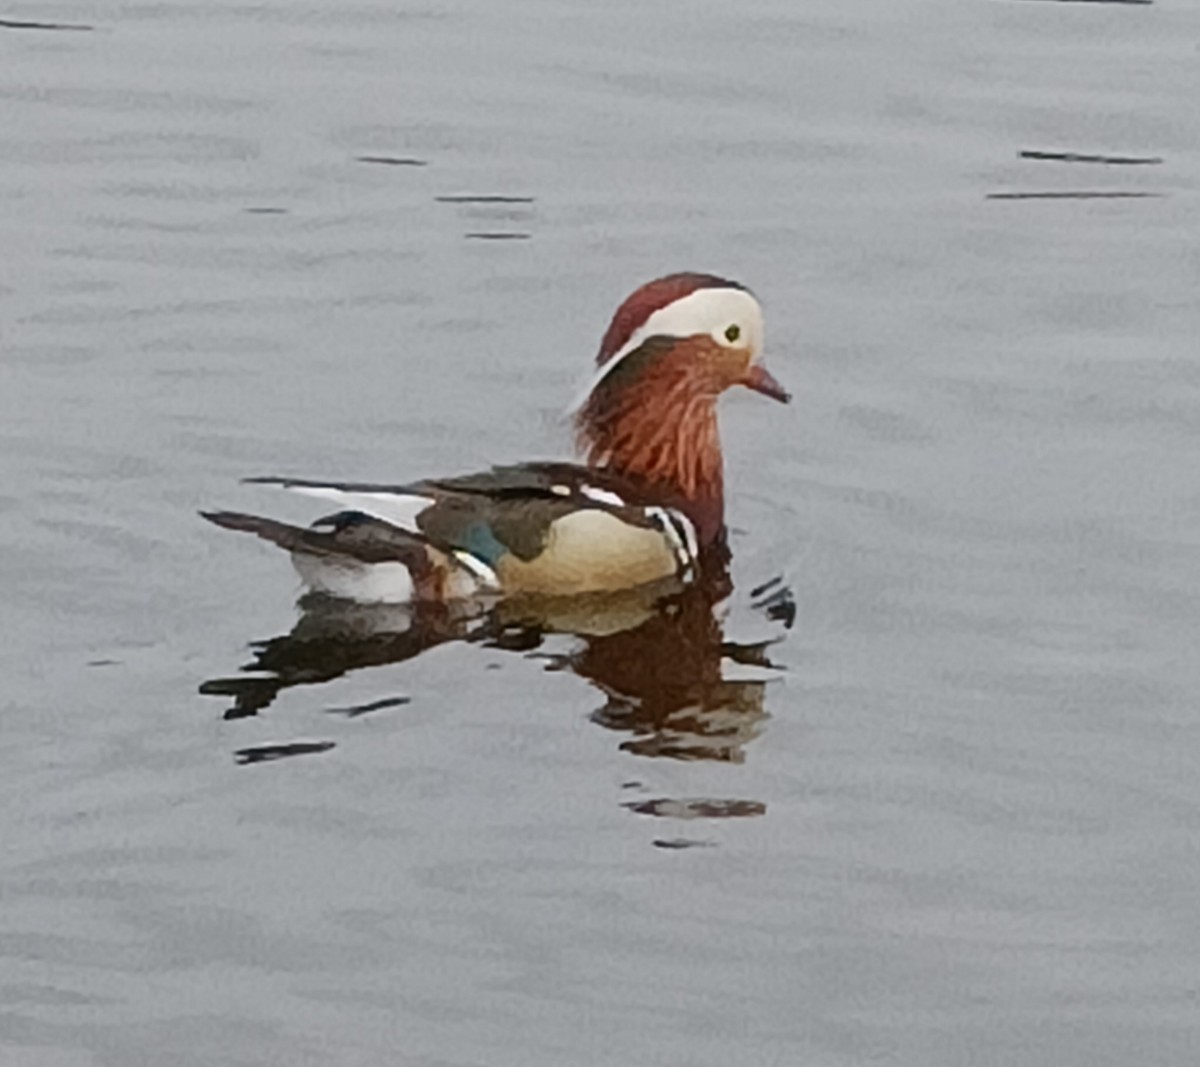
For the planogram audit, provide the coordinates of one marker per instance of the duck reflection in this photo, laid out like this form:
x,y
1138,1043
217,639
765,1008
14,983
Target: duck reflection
x,y
667,682
658,655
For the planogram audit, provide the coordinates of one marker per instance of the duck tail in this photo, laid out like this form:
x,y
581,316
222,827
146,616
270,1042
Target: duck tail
x,y
292,538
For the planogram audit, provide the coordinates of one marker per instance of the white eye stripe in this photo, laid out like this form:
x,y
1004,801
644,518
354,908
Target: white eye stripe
x,y
706,311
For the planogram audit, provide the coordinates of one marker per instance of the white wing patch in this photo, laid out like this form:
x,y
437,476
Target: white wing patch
x,y
603,496
483,574
399,509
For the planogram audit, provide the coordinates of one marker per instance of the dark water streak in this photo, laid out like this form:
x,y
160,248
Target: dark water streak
x,y
393,161
271,753
16,24
1078,194
1083,157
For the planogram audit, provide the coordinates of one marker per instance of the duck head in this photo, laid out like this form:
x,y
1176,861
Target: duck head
x,y
672,348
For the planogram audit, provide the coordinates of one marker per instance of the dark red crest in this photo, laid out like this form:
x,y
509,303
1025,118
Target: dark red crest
x,y
644,302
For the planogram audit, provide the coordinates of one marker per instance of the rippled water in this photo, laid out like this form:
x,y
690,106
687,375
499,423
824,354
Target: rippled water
x,y
380,241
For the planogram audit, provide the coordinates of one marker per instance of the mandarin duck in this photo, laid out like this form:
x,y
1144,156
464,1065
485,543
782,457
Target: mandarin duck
x,y
647,505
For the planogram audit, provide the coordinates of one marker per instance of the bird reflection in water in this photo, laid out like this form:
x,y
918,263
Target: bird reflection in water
x,y
668,681
659,656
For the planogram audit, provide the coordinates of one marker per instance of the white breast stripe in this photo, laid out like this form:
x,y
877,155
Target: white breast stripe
x,y
685,525
680,534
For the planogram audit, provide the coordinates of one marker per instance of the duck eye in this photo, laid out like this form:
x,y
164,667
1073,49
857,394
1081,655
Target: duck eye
x,y
732,333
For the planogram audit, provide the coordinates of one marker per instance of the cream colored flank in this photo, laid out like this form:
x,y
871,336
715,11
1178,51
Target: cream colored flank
x,y
590,551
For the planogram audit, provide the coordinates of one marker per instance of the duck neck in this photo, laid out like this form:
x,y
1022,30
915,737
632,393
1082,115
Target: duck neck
x,y
666,439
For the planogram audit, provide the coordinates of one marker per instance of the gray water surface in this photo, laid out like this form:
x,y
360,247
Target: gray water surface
x,y
957,827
